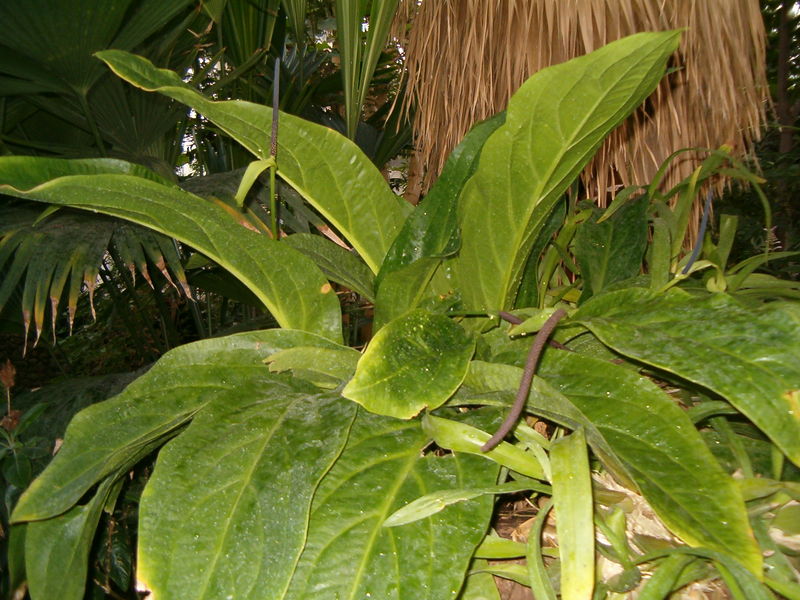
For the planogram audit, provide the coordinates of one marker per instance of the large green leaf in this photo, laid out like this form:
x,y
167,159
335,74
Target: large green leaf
x,y
328,170
629,420
415,361
233,491
432,229
554,124
288,283
612,250
750,357
403,290
113,435
350,555
661,449
324,367
430,233
57,549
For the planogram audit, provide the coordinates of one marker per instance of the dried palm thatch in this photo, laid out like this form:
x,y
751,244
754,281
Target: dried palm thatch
x,y
466,57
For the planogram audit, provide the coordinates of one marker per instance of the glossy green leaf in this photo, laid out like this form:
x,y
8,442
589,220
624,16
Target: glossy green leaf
x,y
349,555
572,498
613,250
57,549
328,170
338,264
463,437
749,357
288,283
329,367
639,434
415,361
115,434
403,289
554,124
430,504
661,450
430,233
234,490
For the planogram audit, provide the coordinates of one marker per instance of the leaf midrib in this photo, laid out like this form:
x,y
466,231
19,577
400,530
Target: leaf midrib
x,y
245,480
382,513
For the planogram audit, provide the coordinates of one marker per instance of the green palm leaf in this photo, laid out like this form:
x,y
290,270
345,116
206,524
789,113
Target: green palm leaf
x,y
49,260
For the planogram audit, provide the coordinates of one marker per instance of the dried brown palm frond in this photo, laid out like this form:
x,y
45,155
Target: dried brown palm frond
x,y
466,57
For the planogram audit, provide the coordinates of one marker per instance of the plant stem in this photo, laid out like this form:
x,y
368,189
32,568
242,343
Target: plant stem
x,y
98,139
273,205
273,150
527,378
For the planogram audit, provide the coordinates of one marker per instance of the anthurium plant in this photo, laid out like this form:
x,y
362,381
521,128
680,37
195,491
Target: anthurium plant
x,y
290,466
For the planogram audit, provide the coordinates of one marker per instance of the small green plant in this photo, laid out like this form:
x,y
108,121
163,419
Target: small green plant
x,y
291,466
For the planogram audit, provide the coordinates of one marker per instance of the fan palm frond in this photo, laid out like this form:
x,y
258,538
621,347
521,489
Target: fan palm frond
x,y
61,100
50,258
